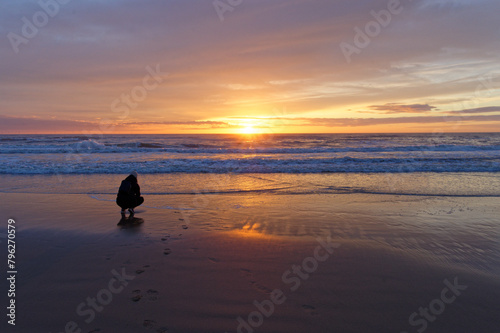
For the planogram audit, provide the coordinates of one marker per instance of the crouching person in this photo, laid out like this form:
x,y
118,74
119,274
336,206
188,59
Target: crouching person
x,y
129,194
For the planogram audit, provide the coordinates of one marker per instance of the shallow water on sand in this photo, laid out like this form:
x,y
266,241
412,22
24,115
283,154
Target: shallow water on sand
x,y
406,184
449,218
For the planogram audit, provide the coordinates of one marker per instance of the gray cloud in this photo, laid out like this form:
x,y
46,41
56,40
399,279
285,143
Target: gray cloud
x,y
490,109
358,122
33,125
184,124
392,108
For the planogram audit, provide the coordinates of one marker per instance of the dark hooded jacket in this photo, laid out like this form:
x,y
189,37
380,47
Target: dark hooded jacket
x,y
129,194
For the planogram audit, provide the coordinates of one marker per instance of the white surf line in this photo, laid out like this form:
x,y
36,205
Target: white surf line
x,y
292,185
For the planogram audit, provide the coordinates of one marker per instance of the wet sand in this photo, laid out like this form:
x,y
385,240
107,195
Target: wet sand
x,y
256,263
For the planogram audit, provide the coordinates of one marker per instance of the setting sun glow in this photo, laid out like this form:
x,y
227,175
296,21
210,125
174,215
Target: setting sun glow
x,y
249,130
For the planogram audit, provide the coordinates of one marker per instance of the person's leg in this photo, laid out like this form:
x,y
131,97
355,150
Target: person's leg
x,y
120,202
137,202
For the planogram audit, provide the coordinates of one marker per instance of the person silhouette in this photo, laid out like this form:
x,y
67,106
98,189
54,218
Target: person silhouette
x,y
129,194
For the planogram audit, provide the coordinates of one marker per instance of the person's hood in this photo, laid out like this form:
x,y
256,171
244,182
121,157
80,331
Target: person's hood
x,y
131,178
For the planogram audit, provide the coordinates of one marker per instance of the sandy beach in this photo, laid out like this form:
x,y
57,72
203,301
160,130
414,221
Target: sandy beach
x,y
256,263
295,166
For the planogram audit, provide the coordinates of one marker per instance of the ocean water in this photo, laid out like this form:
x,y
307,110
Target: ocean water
x,y
261,154
401,164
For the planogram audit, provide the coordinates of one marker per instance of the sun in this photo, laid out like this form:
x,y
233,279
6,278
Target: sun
x,y
249,130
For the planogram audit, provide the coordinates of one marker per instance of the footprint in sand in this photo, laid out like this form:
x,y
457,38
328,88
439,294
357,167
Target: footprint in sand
x,y
246,272
184,227
260,288
213,260
152,295
141,270
150,324
194,249
311,310
167,252
136,295
257,286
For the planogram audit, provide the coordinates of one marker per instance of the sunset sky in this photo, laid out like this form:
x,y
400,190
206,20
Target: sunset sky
x,y
236,66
